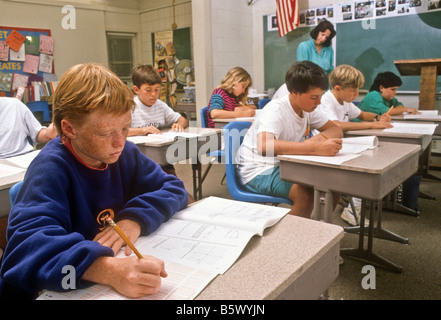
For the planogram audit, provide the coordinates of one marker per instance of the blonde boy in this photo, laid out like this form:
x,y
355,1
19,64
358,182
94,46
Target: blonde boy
x,y
337,103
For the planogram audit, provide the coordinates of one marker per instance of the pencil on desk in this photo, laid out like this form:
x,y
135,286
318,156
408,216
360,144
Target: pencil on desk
x,y
324,136
123,236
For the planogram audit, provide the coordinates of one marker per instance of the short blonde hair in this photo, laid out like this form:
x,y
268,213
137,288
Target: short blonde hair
x,y
87,87
233,76
346,76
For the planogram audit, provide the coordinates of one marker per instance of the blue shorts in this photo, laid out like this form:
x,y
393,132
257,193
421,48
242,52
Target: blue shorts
x,y
269,182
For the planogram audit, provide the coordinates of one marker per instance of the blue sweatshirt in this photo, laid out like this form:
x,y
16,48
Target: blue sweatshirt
x,y
54,219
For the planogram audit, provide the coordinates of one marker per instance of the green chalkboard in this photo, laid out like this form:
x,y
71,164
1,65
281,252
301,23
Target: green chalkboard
x,y
280,53
373,50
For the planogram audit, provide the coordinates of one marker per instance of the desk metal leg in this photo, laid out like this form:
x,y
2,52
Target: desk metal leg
x,y
367,255
378,231
197,180
323,205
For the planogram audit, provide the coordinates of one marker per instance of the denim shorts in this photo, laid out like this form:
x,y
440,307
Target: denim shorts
x,y
269,182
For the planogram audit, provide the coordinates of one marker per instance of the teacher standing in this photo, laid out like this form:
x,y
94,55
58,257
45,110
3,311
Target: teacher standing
x,y
318,49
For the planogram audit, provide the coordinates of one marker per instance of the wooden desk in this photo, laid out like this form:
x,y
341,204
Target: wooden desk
x,y
428,69
295,259
169,152
376,172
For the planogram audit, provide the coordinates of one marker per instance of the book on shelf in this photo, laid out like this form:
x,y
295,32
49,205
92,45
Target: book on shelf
x,y
39,90
197,243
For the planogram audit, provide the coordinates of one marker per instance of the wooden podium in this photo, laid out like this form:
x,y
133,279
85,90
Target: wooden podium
x,y
428,69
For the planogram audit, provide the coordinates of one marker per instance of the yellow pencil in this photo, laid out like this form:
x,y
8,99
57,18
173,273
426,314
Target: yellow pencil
x,y
123,236
324,136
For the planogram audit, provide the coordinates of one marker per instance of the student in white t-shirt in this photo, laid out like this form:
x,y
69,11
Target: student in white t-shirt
x,y
20,131
281,128
151,114
345,82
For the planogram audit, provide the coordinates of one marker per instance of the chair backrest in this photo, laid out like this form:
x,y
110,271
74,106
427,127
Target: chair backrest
x,y
357,103
204,117
14,191
40,106
262,102
234,133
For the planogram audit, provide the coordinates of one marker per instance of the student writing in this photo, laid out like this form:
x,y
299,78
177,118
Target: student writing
x,y
87,170
229,98
281,129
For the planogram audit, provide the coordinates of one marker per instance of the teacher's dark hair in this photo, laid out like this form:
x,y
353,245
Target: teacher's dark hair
x,y
322,27
386,79
304,75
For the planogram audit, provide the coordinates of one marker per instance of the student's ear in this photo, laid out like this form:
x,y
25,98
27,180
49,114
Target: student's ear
x,y
135,89
68,129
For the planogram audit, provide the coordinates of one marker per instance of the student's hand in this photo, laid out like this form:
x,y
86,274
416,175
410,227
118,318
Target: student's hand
x,y
384,117
329,147
244,112
134,277
110,238
412,111
176,127
130,276
151,129
381,125
51,132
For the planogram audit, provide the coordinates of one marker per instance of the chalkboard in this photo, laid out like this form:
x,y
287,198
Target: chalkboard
x,y
416,36
280,53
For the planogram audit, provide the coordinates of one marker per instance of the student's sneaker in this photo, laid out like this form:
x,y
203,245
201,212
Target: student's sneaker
x,y
348,216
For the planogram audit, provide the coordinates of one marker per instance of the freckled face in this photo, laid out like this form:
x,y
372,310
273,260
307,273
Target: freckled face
x,y
101,138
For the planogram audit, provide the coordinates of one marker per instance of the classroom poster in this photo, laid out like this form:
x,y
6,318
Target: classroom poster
x,y
32,58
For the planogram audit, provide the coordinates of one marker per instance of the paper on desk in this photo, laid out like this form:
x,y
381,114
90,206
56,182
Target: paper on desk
x,y
6,171
149,139
175,134
358,144
23,160
338,159
182,283
429,114
418,128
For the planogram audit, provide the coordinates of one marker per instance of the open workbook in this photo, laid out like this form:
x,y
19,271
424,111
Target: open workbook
x,y
198,243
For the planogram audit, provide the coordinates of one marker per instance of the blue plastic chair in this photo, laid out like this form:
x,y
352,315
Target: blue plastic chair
x,y
233,133
14,191
40,106
218,154
262,103
357,103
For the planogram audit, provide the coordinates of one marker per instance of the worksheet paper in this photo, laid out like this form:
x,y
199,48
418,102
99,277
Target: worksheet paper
x,y
182,283
6,171
417,128
351,149
423,114
198,243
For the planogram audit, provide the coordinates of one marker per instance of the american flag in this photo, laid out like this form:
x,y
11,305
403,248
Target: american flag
x,y
287,14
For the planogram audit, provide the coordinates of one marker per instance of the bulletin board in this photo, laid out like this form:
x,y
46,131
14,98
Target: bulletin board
x,y
37,63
